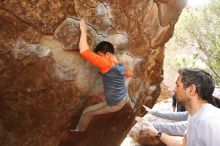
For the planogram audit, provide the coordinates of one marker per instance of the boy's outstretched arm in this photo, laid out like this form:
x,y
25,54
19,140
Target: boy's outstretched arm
x,y
83,44
88,54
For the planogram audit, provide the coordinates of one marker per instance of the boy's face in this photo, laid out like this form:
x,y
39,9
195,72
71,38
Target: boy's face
x,y
100,54
107,55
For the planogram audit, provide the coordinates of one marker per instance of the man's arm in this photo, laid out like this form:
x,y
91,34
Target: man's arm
x,y
173,140
176,116
175,129
165,138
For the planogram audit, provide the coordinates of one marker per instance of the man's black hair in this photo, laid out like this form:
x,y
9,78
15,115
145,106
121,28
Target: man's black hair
x,y
201,79
216,101
105,47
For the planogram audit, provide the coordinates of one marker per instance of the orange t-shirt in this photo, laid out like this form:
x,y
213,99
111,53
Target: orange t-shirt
x,y
102,63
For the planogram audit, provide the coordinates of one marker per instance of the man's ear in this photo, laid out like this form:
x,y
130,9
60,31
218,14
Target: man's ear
x,y
192,89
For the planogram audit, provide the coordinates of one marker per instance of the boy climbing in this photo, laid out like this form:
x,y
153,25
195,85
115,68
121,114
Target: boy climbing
x,y
113,76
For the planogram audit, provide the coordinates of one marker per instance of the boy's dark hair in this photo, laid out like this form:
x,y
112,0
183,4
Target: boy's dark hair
x,y
201,79
105,47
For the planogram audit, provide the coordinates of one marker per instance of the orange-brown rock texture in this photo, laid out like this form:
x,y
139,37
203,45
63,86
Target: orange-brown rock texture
x,y
44,82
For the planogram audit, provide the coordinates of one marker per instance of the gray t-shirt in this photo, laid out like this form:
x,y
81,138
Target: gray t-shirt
x,y
175,116
177,128
204,127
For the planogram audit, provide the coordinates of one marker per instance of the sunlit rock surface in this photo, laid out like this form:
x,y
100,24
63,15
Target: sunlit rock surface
x,y
44,87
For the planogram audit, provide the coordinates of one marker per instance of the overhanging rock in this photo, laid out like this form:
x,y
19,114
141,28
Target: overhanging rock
x,y
44,88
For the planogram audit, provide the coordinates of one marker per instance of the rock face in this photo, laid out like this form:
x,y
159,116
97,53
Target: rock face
x,y
44,88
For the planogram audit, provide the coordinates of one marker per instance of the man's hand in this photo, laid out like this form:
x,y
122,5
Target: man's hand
x,y
147,126
147,109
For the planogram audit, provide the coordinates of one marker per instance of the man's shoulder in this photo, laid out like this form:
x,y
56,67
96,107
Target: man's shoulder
x,y
209,113
210,122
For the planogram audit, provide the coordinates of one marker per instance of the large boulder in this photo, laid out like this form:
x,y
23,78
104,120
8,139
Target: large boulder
x,y
45,88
